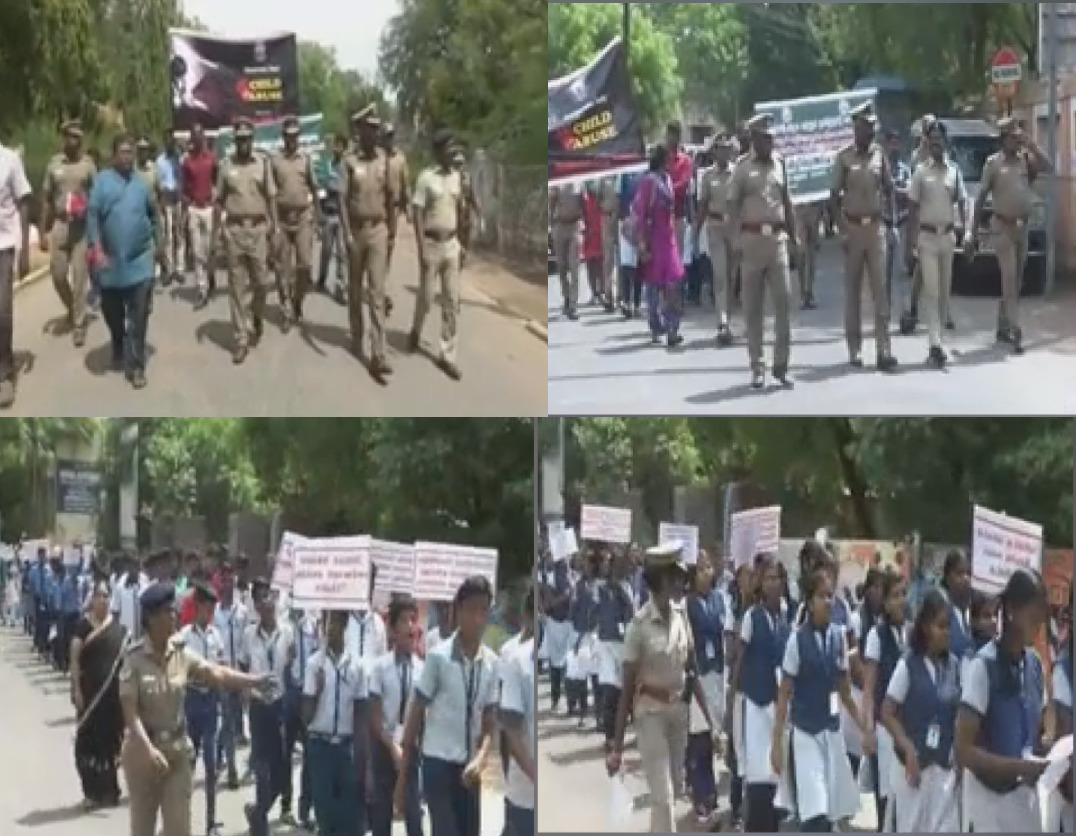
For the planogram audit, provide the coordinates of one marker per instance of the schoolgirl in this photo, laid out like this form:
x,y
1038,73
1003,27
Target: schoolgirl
x,y
919,713
999,724
583,614
742,595
763,635
882,650
815,683
862,621
558,629
956,584
615,610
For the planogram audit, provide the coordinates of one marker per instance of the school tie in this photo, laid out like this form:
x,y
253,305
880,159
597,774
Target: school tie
x,y
405,687
362,636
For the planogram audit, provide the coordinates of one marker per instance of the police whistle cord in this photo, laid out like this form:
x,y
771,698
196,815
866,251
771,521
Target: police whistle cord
x,y
100,695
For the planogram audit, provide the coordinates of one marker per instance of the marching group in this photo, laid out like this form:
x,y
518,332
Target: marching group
x,y
732,219
932,698
173,661
113,227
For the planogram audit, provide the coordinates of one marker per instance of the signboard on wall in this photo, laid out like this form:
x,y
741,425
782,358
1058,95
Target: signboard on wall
x,y
78,487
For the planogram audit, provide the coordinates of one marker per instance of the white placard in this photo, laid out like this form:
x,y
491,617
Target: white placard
x,y
686,535
554,529
284,563
564,545
999,546
606,525
754,532
331,573
29,548
395,564
440,568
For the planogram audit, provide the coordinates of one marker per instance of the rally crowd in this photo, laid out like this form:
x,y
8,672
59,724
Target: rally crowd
x,y
930,697
725,219
115,224
177,659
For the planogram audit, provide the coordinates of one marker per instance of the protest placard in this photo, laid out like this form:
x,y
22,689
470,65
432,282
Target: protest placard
x,y
606,525
331,573
564,544
686,535
754,532
284,563
395,564
440,568
1000,545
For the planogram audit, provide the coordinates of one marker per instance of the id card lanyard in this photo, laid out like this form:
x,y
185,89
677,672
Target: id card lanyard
x,y
470,684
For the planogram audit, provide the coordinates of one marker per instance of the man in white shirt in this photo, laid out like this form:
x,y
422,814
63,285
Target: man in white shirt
x,y
267,648
307,638
202,705
334,691
517,717
126,594
391,681
231,620
14,259
366,641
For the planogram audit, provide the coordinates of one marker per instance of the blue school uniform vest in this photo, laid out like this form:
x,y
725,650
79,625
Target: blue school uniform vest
x,y
839,612
707,616
928,703
1013,716
816,680
762,657
960,641
614,612
891,653
583,605
867,620
561,586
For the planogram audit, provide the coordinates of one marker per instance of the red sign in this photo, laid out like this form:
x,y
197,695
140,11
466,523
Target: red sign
x,y
1006,72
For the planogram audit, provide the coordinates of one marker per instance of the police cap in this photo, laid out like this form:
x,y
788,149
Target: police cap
x,y
388,129
760,123
1008,125
72,127
244,129
142,143
291,126
158,596
443,137
864,113
666,555
366,116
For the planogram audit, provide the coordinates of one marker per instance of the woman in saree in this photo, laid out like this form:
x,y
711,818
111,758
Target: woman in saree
x,y
96,655
660,264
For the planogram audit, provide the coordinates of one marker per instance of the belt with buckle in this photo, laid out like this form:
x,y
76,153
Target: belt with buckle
x,y
1017,222
717,216
937,230
333,739
862,220
439,237
359,221
292,215
247,220
763,229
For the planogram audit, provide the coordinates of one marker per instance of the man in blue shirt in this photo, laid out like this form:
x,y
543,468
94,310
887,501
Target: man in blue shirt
x,y
39,603
122,234
332,234
70,605
170,173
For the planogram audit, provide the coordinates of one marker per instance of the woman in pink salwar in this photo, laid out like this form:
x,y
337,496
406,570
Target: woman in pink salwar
x,y
660,265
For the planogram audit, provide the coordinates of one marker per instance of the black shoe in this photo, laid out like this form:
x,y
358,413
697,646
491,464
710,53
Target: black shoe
x,y
856,361
202,300
233,780
950,325
937,357
674,340
758,380
887,363
724,337
117,362
780,374
285,324
1017,338
1003,335
573,314
908,323
240,355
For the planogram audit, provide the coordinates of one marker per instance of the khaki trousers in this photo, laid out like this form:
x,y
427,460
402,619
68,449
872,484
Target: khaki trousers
x,y
865,255
765,265
246,247
67,264
566,254
152,794
367,262
442,269
936,264
1009,247
721,259
296,250
661,736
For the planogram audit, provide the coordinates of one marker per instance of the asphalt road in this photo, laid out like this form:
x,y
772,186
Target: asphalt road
x,y
602,364
39,788
306,372
574,788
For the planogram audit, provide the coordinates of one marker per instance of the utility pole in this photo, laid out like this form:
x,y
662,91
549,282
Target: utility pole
x,y
1051,21
625,30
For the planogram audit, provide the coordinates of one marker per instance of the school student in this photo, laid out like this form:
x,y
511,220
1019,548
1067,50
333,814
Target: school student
x,y
1062,677
956,584
763,635
580,663
517,716
815,684
453,703
919,713
558,630
391,681
862,621
231,618
999,723
307,639
882,652
615,610
742,596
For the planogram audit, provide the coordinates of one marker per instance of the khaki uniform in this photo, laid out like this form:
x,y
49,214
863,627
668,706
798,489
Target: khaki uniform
x,y
566,213
756,199
858,181
400,178
808,221
157,688
609,204
367,194
296,189
1010,183
245,191
714,206
437,196
65,180
934,189
151,178
660,650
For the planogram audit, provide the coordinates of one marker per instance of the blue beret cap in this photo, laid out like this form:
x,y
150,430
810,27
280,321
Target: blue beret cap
x,y
158,596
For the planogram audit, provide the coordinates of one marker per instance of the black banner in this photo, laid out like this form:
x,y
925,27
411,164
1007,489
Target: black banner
x,y
78,487
215,80
594,127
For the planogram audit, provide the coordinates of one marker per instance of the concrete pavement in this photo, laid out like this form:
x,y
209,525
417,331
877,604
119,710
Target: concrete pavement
x,y
605,365
303,373
574,788
39,788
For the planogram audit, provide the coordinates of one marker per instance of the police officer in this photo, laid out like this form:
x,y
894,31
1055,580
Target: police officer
x,y
400,178
246,207
65,198
300,214
921,154
471,209
1007,177
368,203
861,182
713,212
566,214
609,206
762,212
156,752
438,199
202,705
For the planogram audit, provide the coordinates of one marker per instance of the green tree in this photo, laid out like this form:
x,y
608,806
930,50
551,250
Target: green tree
x,y
326,88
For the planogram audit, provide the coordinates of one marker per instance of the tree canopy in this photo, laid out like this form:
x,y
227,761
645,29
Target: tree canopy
x,y
463,481
874,478
725,57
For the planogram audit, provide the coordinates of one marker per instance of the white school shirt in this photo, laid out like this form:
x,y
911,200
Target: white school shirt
x,y
872,650
901,680
365,638
126,603
1062,687
446,679
205,644
267,653
434,636
387,679
307,643
344,686
790,665
231,622
517,698
508,649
